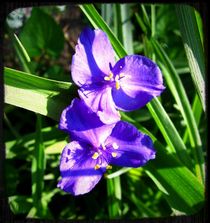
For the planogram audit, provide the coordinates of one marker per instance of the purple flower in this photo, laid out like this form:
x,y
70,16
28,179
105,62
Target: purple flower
x,y
127,85
95,146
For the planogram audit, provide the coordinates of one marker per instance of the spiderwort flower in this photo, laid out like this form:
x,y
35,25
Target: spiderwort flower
x,y
127,85
95,146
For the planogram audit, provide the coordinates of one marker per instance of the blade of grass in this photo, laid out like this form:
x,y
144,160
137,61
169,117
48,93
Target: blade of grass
x,y
197,112
181,98
114,197
193,48
169,132
22,49
127,28
37,94
118,22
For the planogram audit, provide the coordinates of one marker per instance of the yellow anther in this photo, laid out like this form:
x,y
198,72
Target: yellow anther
x,y
95,155
97,167
108,78
115,146
114,154
117,85
108,167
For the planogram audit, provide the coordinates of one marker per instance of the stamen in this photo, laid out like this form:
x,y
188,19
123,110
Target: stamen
x,y
97,167
115,146
95,155
120,66
108,78
114,154
117,85
108,167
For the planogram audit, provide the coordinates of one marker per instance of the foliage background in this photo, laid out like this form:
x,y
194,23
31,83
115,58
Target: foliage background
x,y
172,184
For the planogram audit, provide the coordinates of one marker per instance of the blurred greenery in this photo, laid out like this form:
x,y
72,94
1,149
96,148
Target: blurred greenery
x,y
34,143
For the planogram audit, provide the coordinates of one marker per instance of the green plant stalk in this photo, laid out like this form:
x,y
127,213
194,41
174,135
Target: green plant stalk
x,y
118,22
37,169
193,48
127,28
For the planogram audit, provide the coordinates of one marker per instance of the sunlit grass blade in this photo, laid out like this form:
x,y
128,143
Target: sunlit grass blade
x,y
197,112
193,48
178,91
114,197
169,132
98,22
37,94
23,50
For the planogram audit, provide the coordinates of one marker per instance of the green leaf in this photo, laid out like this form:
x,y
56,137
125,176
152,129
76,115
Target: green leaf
x,y
193,48
41,95
42,34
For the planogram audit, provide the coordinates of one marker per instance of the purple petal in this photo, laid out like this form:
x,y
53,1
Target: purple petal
x,y
140,81
128,147
81,122
77,167
99,99
90,62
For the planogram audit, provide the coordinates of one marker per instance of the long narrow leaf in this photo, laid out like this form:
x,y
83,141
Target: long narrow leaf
x,y
193,48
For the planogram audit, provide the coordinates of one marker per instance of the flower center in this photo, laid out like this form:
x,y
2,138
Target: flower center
x,y
100,154
115,79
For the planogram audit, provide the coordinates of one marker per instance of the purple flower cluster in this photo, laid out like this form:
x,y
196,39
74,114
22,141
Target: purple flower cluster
x,y
98,138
